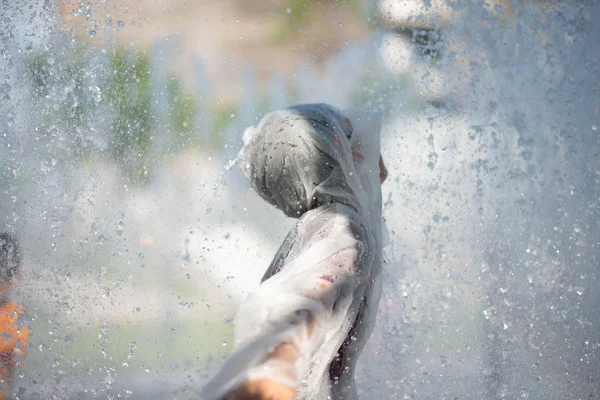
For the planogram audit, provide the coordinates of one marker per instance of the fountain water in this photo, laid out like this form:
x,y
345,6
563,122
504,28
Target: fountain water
x,y
133,268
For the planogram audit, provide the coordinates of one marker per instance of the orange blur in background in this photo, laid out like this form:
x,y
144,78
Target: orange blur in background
x,y
13,338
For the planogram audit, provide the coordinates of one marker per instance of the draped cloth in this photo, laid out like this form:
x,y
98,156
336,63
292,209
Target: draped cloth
x,y
320,165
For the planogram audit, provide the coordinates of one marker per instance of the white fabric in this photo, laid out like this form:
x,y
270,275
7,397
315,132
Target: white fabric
x,y
328,269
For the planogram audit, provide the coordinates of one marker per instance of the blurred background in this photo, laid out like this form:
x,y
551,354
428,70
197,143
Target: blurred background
x,y
120,121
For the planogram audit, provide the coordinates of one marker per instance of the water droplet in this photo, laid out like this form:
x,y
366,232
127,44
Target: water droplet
x,y
92,33
120,24
120,228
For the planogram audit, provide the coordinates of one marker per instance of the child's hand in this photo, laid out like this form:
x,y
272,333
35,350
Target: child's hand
x,y
263,389
268,389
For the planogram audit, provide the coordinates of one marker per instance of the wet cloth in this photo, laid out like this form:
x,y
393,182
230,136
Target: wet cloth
x,y
320,165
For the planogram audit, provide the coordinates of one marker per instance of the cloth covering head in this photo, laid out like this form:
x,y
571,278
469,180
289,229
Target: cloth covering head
x,y
304,156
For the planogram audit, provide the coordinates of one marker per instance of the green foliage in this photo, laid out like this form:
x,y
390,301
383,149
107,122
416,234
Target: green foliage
x,y
222,115
64,99
183,109
114,115
130,97
297,13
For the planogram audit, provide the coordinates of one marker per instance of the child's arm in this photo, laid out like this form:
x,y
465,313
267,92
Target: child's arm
x,y
304,311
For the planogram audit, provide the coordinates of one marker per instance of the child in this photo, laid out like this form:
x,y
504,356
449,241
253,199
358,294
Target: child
x,y
300,333
12,337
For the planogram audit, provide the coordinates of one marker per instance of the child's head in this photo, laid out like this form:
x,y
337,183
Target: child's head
x,y
313,154
10,258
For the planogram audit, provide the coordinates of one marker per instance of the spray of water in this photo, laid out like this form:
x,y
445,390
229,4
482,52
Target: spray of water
x,y
220,180
491,139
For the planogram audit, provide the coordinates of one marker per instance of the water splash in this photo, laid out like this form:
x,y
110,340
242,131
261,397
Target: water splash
x,y
494,242
220,182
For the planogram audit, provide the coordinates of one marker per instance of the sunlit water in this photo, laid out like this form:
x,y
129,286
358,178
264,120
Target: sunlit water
x,y
137,252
